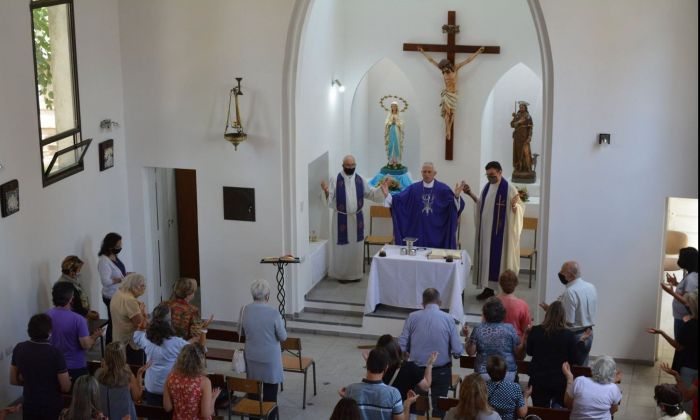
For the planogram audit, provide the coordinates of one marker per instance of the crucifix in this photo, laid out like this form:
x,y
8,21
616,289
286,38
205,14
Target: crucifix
x,y
449,70
499,204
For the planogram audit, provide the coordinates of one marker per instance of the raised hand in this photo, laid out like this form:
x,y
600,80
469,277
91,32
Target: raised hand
x,y
654,331
671,279
566,370
324,187
342,392
411,397
432,358
544,306
385,186
215,393
465,330
458,189
666,368
206,323
145,367
586,334
667,288
514,202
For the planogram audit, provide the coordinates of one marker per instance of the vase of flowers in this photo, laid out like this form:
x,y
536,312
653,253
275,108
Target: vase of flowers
x,y
522,192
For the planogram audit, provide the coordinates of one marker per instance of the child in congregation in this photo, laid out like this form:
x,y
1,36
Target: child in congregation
x,y
506,397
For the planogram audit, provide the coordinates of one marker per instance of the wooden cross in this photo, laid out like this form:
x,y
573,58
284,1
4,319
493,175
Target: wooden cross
x,y
499,204
451,48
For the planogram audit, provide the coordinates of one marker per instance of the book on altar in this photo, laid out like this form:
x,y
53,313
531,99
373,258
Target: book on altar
x,y
437,254
284,258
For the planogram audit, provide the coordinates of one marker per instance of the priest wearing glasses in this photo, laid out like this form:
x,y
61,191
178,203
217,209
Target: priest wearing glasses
x,y
428,210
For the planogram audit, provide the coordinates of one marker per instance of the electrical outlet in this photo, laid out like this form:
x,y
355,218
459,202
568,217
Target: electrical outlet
x,y
603,138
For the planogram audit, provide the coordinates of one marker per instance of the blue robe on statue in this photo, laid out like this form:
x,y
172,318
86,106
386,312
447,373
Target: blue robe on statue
x,y
429,214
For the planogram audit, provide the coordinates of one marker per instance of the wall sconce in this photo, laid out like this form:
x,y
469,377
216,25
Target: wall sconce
x,y
236,134
336,84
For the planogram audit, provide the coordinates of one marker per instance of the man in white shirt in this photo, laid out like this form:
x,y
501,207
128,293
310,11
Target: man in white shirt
x,y
580,302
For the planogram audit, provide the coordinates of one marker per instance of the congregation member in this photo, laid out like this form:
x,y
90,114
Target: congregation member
x,y
70,273
264,332
40,369
184,316
119,387
686,343
69,331
85,403
428,210
550,344
346,195
505,397
497,243
473,401
688,391
162,347
375,399
402,374
517,310
128,313
597,397
188,392
346,409
431,330
688,262
493,337
669,401
580,300
112,271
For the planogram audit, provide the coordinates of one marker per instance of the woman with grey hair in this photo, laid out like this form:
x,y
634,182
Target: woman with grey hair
x,y
597,397
263,328
128,313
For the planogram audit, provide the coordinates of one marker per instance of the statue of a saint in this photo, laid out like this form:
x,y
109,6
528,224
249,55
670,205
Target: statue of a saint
x,y
449,95
393,136
523,170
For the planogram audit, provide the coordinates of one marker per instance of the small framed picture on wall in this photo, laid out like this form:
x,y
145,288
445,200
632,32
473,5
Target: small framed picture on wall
x,y
106,151
9,198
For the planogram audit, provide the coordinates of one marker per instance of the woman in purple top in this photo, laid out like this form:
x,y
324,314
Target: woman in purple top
x,y
493,337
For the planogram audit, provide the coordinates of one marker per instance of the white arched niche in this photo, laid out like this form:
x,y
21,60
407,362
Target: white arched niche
x,y
367,118
519,83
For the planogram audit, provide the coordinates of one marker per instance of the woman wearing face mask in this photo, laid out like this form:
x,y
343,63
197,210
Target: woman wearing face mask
x,y
112,272
688,262
70,269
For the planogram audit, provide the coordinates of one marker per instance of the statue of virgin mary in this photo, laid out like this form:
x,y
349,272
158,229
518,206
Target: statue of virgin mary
x,y
393,136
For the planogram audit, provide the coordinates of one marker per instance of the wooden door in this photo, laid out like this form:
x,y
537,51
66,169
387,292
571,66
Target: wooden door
x,y
188,233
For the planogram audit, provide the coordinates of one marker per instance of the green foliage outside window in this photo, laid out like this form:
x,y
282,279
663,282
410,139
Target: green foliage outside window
x,y
42,52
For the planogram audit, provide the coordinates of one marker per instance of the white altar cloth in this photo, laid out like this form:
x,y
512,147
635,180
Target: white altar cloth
x,y
399,280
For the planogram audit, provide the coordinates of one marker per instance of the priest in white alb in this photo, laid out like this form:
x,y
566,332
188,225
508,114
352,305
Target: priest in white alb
x,y
346,197
499,222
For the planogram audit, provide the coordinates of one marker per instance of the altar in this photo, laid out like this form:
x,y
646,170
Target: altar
x,y
399,280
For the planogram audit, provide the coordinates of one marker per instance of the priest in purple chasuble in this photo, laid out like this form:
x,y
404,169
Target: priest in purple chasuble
x,y
428,210
346,196
499,221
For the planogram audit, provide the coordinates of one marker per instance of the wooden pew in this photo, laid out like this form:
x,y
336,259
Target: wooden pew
x,y
467,362
550,413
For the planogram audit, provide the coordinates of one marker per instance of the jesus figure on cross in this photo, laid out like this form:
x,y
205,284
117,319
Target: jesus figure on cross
x,y
449,95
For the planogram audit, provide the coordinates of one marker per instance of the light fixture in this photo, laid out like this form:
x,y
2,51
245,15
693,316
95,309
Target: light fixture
x,y
336,83
236,135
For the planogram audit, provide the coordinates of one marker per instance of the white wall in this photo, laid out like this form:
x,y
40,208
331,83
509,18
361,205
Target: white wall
x,y
179,61
73,215
629,68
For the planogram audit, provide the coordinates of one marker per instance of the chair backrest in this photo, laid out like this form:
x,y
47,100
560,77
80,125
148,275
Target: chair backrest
x,y
549,413
152,412
422,405
379,212
581,371
223,335
248,386
530,223
445,403
467,362
217,380
292,345
93,365
675,240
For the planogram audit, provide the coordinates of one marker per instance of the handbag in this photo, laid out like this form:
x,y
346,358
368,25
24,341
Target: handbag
x,y
238,359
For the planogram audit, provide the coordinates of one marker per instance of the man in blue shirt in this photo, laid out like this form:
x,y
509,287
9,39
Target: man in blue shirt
x,y
430,330
375,399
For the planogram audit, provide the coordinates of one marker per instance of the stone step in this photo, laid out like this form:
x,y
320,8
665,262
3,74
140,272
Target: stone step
x,y
330,317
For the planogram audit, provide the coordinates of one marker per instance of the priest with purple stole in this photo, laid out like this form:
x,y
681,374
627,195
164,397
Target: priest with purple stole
x,y
346,196
428,210
499,221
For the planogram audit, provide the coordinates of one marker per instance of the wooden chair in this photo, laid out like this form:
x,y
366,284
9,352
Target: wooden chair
x,y
467,362
454,383
219,381
675,240
294,362
549,413
246,407
530,223
422,406
152,412
380,212
224,335
445,403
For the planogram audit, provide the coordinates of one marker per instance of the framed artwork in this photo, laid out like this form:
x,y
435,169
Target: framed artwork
x,y
239,204
9,198
106,151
